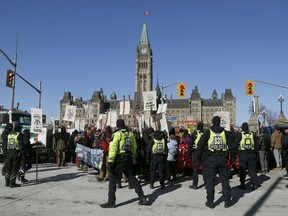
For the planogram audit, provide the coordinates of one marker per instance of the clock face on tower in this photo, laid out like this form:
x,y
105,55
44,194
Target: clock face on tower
x,y
143,50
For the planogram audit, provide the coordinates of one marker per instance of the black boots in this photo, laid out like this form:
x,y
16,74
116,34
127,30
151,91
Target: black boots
x,y
21,176
108,205
142,200
227,204
7,182
194,187
242,187
23,179
210,204
13,183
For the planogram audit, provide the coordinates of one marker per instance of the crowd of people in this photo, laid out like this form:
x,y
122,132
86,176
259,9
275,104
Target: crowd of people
x,y
153,155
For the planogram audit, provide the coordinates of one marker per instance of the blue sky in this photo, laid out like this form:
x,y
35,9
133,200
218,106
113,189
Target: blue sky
x,y
84,45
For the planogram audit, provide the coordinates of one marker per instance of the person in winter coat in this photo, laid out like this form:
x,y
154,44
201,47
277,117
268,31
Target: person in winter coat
x,y
26,163
61,145
104,145
276,147
284,142
264,149
172,156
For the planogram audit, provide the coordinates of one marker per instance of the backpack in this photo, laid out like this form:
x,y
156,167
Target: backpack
x,y
127,145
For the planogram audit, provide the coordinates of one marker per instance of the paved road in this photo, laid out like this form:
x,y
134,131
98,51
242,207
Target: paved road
x,y
68,192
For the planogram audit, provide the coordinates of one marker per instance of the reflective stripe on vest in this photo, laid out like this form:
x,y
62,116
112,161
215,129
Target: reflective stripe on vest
x,y
158,147
199,134
217,142
13,142
125,144
247,141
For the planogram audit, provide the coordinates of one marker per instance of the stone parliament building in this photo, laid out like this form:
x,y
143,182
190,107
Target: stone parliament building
x,y
179,111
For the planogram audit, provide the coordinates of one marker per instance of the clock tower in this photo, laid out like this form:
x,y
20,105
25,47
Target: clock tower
x,y
143,76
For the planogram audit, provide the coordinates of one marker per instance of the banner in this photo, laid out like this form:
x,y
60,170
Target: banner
x,y
93,157
225,119
125,107
149,99
162,108
36,120
112,118
70,114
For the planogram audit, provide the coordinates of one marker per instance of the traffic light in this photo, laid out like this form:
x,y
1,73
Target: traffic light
x,y
249,87
10,78
181,89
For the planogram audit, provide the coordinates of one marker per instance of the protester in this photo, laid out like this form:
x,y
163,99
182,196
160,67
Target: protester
x,y
61,146
26,163
284,142
172,156
264,149
276,147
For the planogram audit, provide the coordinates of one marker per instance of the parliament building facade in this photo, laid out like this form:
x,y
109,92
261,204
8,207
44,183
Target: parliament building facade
x,y
180,112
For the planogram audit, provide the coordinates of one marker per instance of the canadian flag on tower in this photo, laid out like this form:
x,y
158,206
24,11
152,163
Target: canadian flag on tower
x,y
147,12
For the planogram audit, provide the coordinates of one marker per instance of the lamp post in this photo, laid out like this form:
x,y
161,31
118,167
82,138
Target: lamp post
x,y
281,100
190,106
264,115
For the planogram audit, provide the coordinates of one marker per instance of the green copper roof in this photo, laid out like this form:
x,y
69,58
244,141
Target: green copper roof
x,y
144,40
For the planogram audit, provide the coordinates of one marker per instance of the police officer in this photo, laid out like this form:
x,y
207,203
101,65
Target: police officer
x,y
192,147
216,141
157,158
121,157
4,136
247,158
14,148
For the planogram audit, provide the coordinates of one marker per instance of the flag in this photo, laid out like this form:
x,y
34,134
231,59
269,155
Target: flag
x,y
147,12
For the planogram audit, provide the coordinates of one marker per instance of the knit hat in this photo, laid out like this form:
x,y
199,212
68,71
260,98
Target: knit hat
x,y
98,133
149,131
172,137
199,126
120,123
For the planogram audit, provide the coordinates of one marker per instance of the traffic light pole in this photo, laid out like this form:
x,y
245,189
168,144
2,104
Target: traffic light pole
x,y
14,64
165,86
271,84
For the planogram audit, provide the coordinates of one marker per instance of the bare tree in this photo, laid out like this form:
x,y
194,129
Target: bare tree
x,y
270,116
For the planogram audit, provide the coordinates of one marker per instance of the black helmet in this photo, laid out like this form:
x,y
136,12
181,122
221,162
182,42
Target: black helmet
x,y
17,127
9,127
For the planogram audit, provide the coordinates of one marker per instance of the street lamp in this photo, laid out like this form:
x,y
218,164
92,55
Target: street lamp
x,y
264,115
281,100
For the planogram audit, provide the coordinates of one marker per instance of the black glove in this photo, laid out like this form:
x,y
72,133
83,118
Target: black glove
x,y
111,168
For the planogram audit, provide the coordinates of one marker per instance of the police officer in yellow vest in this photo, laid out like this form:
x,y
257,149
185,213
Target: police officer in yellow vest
x,y
121,157
246,143
216,141
13,160
192,147
156,157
